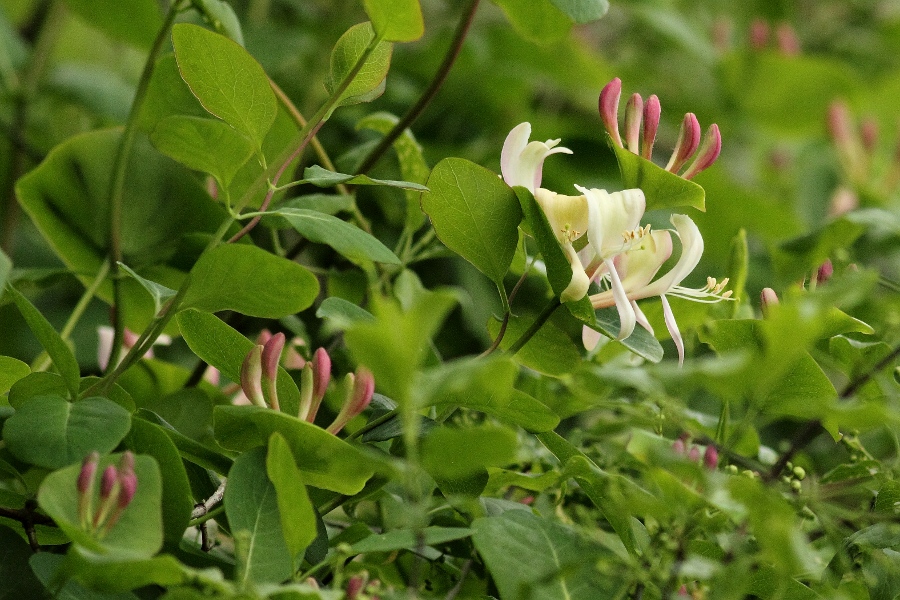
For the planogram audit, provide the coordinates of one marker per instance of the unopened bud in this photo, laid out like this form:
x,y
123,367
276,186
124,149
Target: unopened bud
x,y
306,394
688,141
694,454
360,389
799,473
652,111
271,354
108,482
609,109
869,134
251,377
768,298
824,272
843,201
759,34
633,113
678,446
88,471
322,372
355,585
840,123
788,42
708,154
711,458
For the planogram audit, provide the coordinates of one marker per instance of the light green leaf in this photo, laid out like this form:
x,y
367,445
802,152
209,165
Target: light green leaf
x,y
405,539
582,11
369,82
136,22
220,15
396,20
342,312
641,341
190,450
475,214
550,351
11,371
219,345
251,505
167,95
321,177
251,281
114,575
536,20
205,145
161,294
661,188
229,83
324,460
51,432
454,453
348,239
323,203
298,518
5,268
139,531
56,348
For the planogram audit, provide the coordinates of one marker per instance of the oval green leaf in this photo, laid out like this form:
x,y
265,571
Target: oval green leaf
x,y
396,20
661,188
136,21
11,371
582,11
298,517
474,214
350,48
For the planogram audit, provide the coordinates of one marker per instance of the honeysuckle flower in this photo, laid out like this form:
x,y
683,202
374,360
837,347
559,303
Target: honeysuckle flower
x,y
522,162
313,384
360,389
630,277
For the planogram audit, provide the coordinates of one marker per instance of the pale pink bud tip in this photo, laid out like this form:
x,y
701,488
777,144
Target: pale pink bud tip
x,y
88,470
355,586
126,463
709,152
869,132
128,483
768,298
251,376
788,42
678,446
759,34
322,372
688,141
609,109
108,481
363,390
652,111
633,112
840,124
825,272
694,454
271,354
711,458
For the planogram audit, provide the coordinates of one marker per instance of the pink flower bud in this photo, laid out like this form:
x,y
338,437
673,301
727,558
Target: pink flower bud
x,y
108,481
88,471
711,458
271,354
840,125
652,111
322,371
363,390
788,42
869,134
768,298
843,201
694,454
688,140
355,586
609,109
251,377
759,34
633,113
128,481
824,272
678,446
709,152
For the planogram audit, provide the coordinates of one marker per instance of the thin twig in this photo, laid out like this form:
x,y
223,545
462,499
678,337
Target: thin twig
x,y
464,572
201,508
863,379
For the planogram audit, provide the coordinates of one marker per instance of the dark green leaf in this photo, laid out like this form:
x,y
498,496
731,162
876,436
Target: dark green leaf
x,y
404,539
641,341
161,294
135,22
550,351
321,177
453,453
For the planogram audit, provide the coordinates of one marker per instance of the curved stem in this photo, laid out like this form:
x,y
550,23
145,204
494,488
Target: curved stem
x,y
428,95
496,343
373,424
538,323
120,167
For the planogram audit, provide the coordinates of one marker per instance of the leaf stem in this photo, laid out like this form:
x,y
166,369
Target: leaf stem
x,y
120,166
538,323
373,424
462,29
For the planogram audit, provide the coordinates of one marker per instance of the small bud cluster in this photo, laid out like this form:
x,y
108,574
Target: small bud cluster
x,y
710,455
786,40
118,486
642,123
259,374
793,476
360,587
856,146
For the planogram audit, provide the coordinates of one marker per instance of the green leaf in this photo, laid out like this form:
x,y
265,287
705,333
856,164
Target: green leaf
x,y
641,341
48,567
192,451
550,351
582,11
11,371
220,15
139,531
453,453
204,145
5,268
161,294
321,177
485,385
342,313
114,576
533,557
59,352
298,518
251,281
252,507
324,203
559,271
135,22
795,258
474,214
661,188
369,82
324,460
222,347
18,580
888,499
167,95
177,499
347,239
539,21
39,383
51,432
396,20
67,199
405,539
229,83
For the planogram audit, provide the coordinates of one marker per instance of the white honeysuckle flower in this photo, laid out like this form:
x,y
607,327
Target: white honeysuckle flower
x,y
568,217
522,162
630,275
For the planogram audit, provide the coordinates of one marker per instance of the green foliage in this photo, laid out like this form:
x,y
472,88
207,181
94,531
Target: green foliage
x,y
661,188
350,49
396,20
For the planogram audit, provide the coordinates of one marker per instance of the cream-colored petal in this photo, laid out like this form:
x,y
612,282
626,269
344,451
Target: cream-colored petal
x,y
691,252
521,161
567,215
611,215
627,318
578,286
512,148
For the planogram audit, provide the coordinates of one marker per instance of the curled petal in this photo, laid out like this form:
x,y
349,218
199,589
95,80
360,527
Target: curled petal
x,y
580,282
709,152
590,338
522,162
609,215
672,326
627,318
641,317
688,141
513,146
691,251
652,111
609,109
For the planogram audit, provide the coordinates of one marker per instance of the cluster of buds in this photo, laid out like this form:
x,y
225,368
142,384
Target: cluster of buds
x,y
117,488
793,476
786,40
642,123
360,587
259,374
710,456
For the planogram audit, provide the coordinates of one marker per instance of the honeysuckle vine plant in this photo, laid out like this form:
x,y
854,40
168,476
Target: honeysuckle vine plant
x,y
294,307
